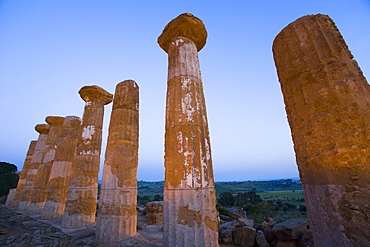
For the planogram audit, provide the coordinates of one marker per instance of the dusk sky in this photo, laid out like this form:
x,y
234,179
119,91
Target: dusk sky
x,y
50,49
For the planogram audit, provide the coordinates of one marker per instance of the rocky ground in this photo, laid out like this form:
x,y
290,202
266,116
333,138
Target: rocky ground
x,y
18,230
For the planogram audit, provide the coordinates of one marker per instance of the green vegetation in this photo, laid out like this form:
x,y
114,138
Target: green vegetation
x,y
279,199
8,177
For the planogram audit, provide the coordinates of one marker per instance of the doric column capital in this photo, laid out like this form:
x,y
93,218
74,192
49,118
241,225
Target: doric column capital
x,y
185,25
42,128
95,93
54,120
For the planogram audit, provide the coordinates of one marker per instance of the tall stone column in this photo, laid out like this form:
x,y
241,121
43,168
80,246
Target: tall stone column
x,y
40,183
327,101
117,217
23,177
189,209
36,160
83,183
61,169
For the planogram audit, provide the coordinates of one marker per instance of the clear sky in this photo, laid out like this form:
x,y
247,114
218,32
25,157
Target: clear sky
x,y
50,49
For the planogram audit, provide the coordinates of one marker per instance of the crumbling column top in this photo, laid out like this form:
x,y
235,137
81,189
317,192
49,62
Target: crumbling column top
x,y
54,120
95,93
72,121
42,128
185,25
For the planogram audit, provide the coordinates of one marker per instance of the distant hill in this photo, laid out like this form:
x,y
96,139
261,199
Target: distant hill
x,y
153,188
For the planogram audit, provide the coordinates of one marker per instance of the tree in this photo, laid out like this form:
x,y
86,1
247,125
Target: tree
x,y
226,199
8,177
253,197
241,199
158,198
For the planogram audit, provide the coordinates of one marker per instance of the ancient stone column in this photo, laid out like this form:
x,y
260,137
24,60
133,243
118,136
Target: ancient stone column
x,y
117,218
83,183
40,183
10,198
36,160
327,101
23,177
61,169
189,205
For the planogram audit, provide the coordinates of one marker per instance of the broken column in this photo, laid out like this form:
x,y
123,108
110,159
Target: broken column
x,y
327,101
36,160
82,194
61,169
117,218
189,205
22,177
40,183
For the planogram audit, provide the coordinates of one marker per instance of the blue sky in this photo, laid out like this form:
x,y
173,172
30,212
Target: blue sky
x,y
50,49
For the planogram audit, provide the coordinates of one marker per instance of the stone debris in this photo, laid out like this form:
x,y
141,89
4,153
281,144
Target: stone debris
x,y
154,212
189,204
327,102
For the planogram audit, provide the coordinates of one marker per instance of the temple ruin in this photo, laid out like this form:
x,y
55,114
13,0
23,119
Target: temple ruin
x,y
117,218
327,101
40,183
82,194
58,179
189,204
36,160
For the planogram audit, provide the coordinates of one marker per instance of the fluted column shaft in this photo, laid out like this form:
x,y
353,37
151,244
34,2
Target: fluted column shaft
x,y
117,218
36,161
83,183
40,183
327,101
61,169
189,204
22,178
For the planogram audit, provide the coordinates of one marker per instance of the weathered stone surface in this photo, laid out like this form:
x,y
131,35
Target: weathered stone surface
x,y
290,229
40,183
189,214
244,236
185,25
61,168
10,199
327,102
117,218
23,177
154,212
82,193
306,239
237,223
237,213
226,235
261,239
36,161
267,223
